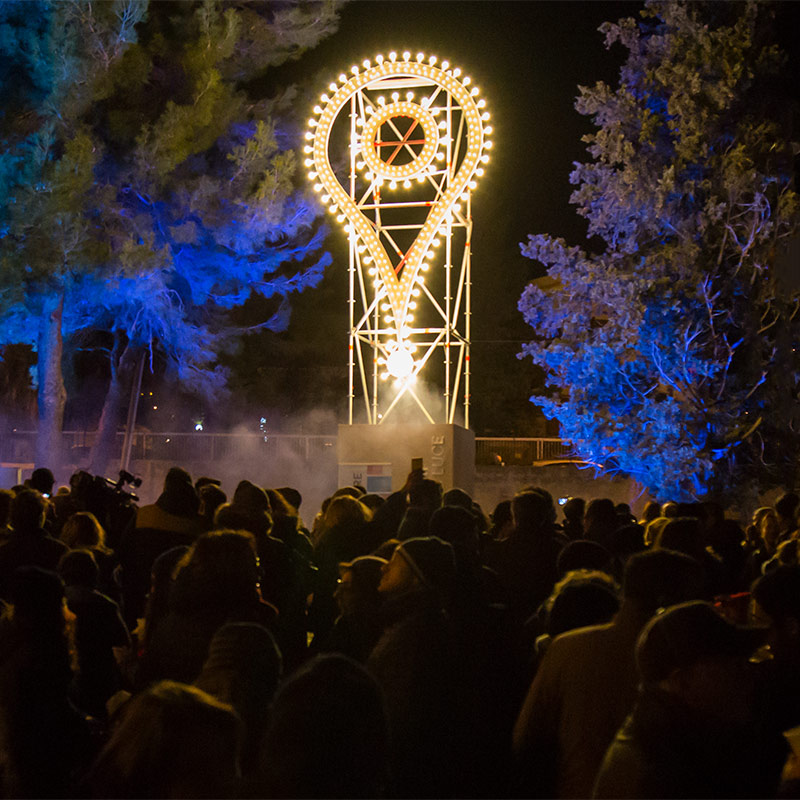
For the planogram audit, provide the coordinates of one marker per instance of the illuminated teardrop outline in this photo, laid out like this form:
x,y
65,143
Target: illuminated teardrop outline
x,y
398,290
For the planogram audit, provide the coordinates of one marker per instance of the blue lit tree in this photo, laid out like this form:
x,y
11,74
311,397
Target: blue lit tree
x,y
55,56
192,198
670,356
206,187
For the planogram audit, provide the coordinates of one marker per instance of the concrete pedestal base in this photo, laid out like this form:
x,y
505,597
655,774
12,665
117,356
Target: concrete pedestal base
x,y
378,457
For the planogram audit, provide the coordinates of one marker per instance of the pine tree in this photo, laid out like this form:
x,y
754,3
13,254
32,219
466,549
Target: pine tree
x,y
51,236
189,190
206,180
670,356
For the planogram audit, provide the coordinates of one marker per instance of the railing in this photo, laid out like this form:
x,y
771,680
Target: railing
x,y
18,447
523,451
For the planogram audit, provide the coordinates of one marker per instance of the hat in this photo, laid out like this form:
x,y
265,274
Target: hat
x,y
179,497
684,634
251,498
368,563
431,559
176,476
366,571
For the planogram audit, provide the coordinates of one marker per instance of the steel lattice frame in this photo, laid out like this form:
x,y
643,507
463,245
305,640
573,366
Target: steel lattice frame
x,y
405,202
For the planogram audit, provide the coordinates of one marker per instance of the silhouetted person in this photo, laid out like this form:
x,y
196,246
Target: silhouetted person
x,y
42,481
526,561
98,630
600,521
342,536
6,497
251,510
416,664
786,508
216,582
29,544
173,741
243,668
171,521
502,520
651,511
161,579
776,597
581,598
46,741
211,498
586,684
574,510
358,626
83,530
691,732
327,735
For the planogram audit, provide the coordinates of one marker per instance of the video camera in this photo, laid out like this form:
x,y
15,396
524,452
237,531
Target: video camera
x,y
106,498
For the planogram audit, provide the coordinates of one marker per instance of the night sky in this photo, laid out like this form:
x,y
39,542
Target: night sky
x,y
528,59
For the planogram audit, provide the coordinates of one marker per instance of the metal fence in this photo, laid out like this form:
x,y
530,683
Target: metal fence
x,y
523,452
18,447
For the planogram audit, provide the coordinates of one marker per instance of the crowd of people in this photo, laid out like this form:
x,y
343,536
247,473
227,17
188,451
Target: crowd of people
x,y
401,646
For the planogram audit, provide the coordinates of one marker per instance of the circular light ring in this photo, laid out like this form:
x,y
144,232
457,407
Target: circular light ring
x,y
372,128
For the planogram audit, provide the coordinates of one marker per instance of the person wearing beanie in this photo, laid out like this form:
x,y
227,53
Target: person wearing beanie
x,y
416,665
211,497
432,560
693,732
251,498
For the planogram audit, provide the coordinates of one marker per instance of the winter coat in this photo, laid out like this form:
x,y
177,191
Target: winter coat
x,y
665,749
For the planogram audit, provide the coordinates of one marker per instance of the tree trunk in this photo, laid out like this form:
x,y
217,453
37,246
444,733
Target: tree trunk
x,y
120,363
52,396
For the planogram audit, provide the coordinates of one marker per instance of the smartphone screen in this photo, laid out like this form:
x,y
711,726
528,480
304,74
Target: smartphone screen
x,y
416,463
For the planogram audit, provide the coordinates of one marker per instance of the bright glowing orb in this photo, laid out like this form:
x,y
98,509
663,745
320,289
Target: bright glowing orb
x,y
400,363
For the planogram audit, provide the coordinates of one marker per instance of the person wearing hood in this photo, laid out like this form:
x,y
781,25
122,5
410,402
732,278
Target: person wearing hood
x,y
171,521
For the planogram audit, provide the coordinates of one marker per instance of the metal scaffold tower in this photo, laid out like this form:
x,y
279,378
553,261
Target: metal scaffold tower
x,y
415,137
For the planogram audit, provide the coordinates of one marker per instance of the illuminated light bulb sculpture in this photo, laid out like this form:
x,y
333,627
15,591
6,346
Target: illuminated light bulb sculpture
x,y
417,135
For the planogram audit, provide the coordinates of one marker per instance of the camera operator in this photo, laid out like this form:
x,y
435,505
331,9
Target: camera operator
x,y
113,507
